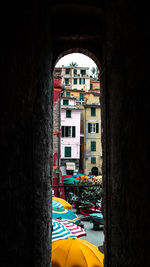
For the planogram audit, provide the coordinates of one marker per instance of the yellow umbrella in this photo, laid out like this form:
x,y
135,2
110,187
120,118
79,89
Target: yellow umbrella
x,y
63,202
73,252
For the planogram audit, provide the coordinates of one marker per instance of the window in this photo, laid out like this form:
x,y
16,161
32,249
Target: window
x,y
93,145
81,96
82,81
75,81
67,71
68,131
75,72
83,72
65,102
93,160
93,111
93,127
91,86
67,151
66,81
68,113
67,93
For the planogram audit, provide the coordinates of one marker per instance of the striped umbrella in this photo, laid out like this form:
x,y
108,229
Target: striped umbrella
x,y
61,213
67,176
56,204
60,231
75,229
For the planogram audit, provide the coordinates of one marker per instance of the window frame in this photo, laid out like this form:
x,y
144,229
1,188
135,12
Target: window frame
x,y
68,113
93,158
67,93
93,114
67,101
93,145
65,151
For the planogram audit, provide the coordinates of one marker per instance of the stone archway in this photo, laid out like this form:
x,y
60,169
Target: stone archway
x,y
94,171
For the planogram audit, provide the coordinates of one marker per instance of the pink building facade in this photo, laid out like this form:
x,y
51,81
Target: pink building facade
x,y
70,135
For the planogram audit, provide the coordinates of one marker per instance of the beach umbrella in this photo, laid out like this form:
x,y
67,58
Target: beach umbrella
x,y
78,175
60,231
67,176
70,181
73,252
56,204
75,229
81,176
61,213
64,203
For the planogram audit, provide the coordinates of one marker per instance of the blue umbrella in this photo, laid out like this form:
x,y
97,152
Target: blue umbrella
x,y
60,231
70,181
79,174
61,213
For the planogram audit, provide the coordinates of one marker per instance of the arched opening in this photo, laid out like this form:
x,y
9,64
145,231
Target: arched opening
x,y
76,129
95,171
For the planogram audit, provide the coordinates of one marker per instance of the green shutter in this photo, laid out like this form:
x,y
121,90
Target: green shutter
x,y
97,127
75,81
93,112
89,127
73,131
62,131
68,113
67,93
81,96
93,160
93,145
67,151
65,102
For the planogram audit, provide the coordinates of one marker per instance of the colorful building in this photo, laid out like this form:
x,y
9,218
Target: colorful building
x,y
92,134
74,78
70,135
57,177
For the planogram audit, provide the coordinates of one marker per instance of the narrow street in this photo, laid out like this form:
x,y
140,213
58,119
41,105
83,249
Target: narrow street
x,y
95,237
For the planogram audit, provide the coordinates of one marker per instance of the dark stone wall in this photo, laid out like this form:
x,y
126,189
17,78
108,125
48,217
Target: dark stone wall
x,y
31,42
127,83
26,130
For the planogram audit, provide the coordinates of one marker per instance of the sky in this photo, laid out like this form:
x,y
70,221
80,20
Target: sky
x,y
80,59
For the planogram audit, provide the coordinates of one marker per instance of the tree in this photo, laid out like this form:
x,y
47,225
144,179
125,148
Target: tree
x,y
73,64
94,72
92,194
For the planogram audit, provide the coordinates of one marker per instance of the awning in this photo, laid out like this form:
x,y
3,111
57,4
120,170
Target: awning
x,y
70,166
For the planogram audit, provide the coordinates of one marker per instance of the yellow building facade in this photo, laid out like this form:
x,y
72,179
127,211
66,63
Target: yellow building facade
x,y
92,135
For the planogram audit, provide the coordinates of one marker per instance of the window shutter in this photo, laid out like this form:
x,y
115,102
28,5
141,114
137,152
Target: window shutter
x,y
97,127
89,127
73,131
65,102
67,151
93,112
93,160
68,113
62,131
81,96
93,146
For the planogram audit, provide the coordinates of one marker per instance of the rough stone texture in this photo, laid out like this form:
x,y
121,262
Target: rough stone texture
x,y
118,40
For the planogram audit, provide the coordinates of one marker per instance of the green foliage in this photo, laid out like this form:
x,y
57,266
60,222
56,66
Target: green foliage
x,y
92,193
73,64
